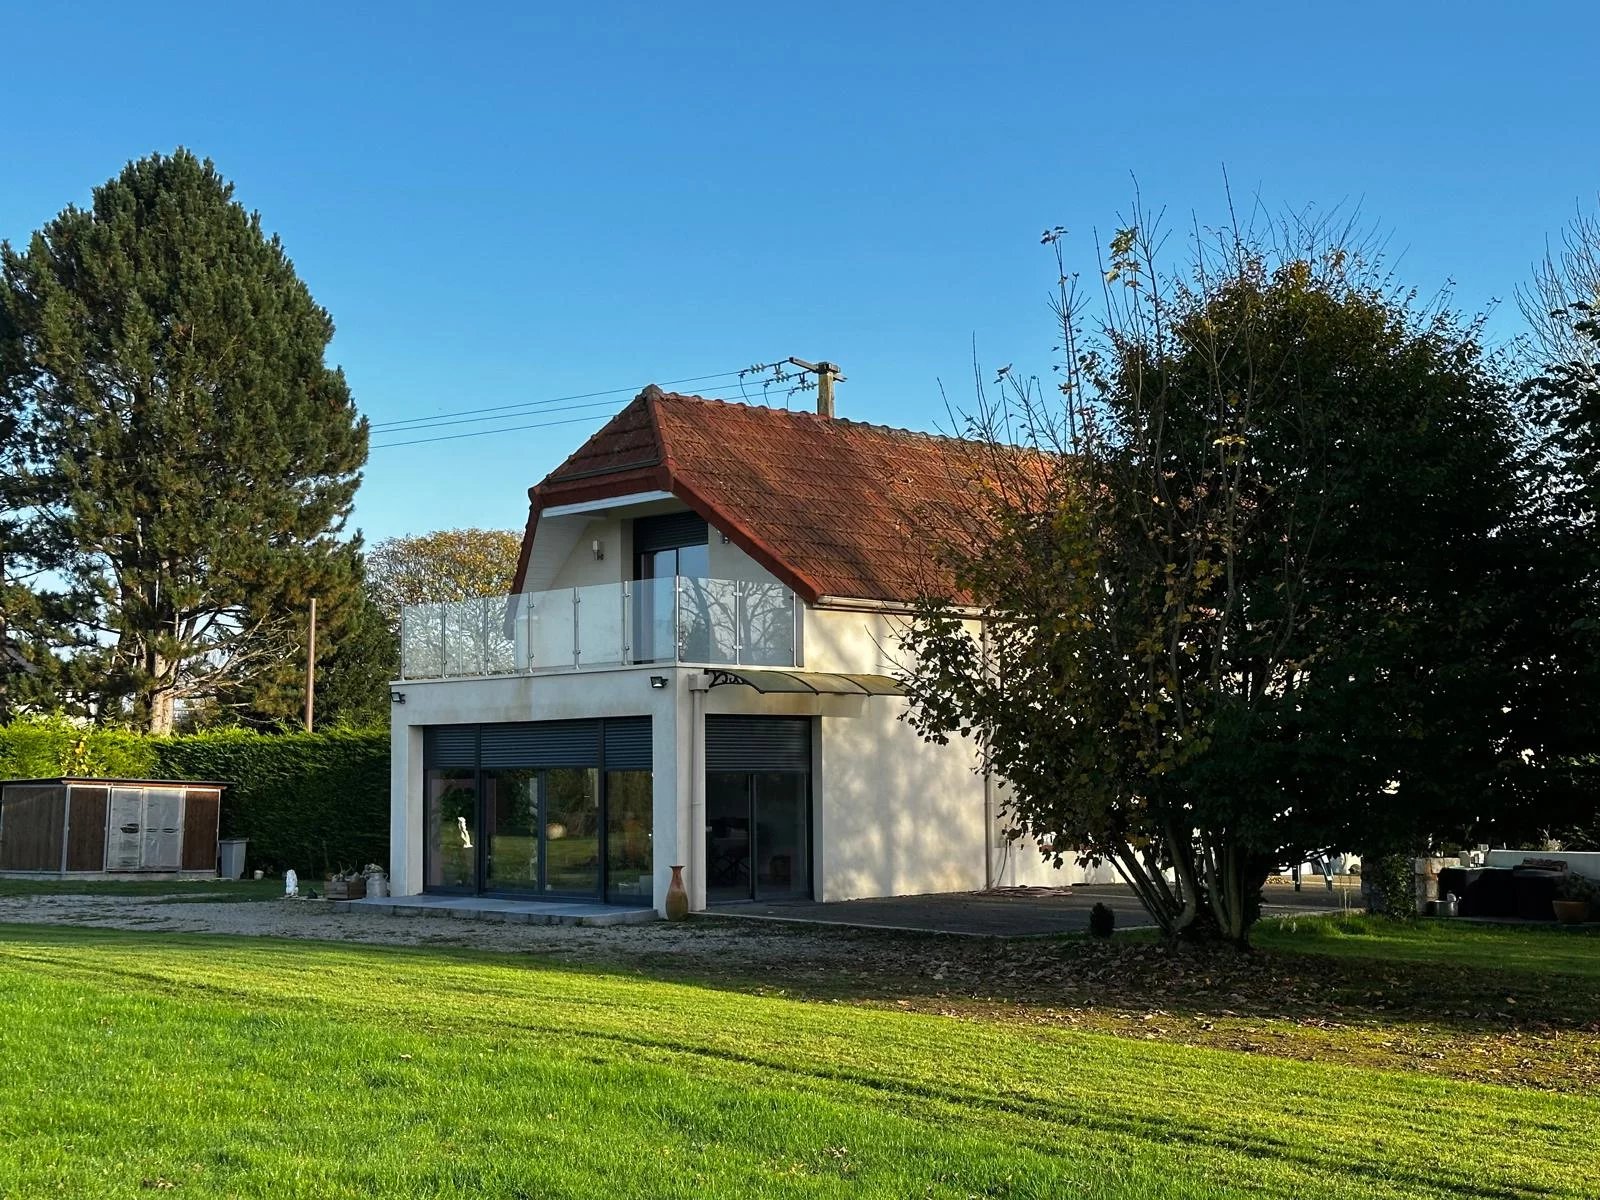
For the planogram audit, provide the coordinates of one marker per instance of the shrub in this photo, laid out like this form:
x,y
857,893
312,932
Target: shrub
x,y
1388,881
317,802
1102,920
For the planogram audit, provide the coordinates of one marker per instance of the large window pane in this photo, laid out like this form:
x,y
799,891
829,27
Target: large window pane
x,y
451,825
782,864
630,860
727,835
511,809
694,562
572,830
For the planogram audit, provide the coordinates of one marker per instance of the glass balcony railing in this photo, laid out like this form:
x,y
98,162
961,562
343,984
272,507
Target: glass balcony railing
x,y
711,622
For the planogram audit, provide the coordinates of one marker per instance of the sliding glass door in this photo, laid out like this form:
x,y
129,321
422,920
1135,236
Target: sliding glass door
x,y
500,821
757,835
511,830
451,829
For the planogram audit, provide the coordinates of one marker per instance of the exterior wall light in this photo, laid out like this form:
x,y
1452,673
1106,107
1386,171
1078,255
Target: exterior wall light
x,y
397,697
599,548
658,681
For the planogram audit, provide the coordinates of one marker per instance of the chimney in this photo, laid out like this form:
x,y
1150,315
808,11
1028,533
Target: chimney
x,y
827,374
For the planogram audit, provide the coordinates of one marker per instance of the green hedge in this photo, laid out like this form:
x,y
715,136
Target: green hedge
x,y
44,747
312,801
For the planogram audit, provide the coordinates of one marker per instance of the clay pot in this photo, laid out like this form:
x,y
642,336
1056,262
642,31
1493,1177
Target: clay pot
x,y
677,897
1571,912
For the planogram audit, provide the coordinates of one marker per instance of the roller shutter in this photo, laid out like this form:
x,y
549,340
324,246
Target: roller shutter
x,y
628,744
735,743
669,532
450,746
541,744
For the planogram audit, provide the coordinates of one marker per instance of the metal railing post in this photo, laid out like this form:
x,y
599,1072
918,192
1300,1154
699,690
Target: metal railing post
x,y
677,618
444,643
627,623
795,616
738,620
527,628
483,635
577,647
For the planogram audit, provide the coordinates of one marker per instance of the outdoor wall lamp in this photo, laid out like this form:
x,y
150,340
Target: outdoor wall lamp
x,y
397,697
599,548
658,681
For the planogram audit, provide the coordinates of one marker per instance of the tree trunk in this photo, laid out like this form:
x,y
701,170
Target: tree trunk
x,y
162,711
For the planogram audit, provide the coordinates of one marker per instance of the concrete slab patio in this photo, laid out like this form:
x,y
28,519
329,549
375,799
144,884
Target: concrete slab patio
x,y
510,912
1014,912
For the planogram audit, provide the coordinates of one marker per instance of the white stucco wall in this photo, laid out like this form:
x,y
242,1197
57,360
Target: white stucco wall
x,y
1579,862
727,561
580,568
937,787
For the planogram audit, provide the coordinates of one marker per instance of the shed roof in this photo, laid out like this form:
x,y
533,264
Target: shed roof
x,y
98,780
834,508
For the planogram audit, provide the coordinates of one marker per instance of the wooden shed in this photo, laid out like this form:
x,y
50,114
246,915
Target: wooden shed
x,y
81,827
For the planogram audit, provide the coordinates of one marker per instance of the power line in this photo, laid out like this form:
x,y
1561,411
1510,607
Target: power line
x,y
451,437
509,409
543,408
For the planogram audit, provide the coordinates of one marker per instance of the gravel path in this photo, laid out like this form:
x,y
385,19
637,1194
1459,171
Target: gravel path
x,y
722,945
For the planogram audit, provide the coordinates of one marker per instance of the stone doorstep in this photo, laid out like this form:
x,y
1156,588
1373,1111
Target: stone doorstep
x,y
506,913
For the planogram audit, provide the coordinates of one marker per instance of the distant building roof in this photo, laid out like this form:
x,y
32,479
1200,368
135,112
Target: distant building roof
x,y
831,507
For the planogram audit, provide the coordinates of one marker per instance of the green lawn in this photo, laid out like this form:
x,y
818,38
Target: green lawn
x,y
263,1068
1534,950
210,890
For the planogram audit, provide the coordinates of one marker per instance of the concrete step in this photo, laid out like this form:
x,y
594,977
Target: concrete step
x,y
507,912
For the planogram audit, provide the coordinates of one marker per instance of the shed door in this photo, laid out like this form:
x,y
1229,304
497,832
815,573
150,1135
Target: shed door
x,y
163,829
125,842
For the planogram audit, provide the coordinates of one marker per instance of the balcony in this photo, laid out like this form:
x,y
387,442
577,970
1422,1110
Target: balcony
x,y
703,622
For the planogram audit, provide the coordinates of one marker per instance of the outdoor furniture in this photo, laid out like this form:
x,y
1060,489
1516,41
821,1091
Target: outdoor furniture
x,y
1524,892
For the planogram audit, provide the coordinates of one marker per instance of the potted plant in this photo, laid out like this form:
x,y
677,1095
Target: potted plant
x,y
1574,894
346,885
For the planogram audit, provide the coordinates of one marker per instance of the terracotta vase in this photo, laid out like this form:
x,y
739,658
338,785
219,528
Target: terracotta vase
x,y
1568,912
677,897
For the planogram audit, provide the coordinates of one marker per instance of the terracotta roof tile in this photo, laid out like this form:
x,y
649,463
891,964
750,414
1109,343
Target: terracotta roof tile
x,y
833,507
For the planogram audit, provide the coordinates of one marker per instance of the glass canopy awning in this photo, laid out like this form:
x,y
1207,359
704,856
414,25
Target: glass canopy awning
x,y
809,683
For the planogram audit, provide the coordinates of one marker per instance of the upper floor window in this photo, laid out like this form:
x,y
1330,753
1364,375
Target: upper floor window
x,y
674,544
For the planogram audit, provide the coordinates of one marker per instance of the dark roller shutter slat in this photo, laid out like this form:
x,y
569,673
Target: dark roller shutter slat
x,y
758,743
541,744
669,531
450,746
628,744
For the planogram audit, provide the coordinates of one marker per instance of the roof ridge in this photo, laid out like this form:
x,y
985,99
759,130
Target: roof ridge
x,y
818,418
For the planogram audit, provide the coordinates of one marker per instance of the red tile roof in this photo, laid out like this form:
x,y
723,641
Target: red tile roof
x,y
831,507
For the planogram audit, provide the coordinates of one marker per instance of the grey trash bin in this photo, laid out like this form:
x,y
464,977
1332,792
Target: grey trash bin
x,y
230,857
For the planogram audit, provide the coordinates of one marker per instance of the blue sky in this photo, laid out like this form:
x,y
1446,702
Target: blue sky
x,y
508,203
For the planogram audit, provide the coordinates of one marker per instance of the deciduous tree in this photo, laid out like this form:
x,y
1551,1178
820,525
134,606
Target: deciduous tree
x,y
447,564
1245,584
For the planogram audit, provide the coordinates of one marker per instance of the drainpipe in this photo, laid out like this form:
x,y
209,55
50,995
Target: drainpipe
x,y
988,778
699,685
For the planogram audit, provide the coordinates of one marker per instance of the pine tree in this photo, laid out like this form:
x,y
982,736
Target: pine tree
x,y
195,456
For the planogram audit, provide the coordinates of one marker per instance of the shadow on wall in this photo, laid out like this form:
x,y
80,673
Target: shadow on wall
x,y
899,816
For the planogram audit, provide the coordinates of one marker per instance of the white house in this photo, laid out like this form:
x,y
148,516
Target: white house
x,y
696,669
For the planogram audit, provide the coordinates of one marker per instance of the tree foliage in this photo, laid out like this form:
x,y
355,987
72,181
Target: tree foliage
x,y
1256,585
448,564
189,452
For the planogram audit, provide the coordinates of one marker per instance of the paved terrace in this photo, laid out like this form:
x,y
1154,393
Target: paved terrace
x,y
1023,912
